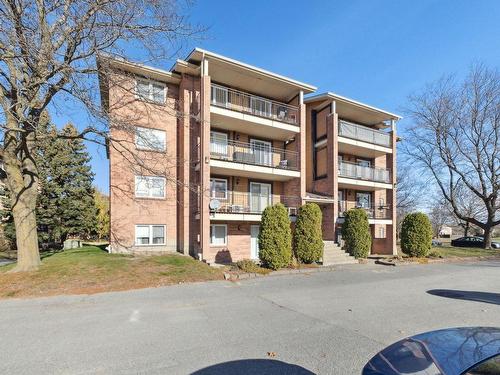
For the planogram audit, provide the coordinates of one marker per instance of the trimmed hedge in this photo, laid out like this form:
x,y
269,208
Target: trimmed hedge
x,y
308,236
275,237
356,233
416,235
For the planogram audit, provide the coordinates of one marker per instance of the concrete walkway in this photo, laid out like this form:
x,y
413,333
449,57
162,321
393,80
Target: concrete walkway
x,y
325,323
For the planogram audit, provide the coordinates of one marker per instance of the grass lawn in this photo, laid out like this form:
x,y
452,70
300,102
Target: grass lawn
x,y
92,270
449,252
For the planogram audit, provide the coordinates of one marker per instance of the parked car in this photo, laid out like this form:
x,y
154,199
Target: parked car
x,y
472,241
437,243
452,351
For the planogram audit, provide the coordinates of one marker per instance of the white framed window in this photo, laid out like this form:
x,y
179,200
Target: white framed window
x,y
150,139
148,235
151,90
218,234
218,188
381,232
149,187
218,143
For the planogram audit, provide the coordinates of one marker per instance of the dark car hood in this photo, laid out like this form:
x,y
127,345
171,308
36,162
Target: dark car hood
x,y
444,352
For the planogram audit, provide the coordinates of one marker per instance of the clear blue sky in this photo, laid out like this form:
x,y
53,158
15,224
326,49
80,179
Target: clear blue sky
x,y
374,51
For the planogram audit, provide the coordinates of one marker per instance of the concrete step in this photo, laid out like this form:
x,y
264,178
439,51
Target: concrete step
x,y
333,255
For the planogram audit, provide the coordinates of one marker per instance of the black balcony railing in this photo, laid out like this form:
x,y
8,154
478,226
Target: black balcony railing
x,y
235,202
247,103
256,154
364,133
373,212
362,172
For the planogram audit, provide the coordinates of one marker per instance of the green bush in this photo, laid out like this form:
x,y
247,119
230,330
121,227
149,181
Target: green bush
x,y
416,235
308,236
275,237
356,233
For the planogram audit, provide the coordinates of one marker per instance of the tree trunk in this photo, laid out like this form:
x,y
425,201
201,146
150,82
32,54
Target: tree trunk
x,y
24,213
487,237
466,229
22,181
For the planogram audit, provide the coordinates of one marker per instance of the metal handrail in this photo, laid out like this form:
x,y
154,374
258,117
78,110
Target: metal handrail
x,y
361,172
235,202
364,133
373,211
255,154
240,101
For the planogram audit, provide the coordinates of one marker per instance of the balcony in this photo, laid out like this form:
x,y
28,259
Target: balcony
x,y
363,141
364,176
373,212
255,159
243,206
233,110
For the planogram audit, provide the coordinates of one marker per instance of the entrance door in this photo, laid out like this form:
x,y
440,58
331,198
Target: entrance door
x,y
260,196
262,152
364,169
363,200
254,241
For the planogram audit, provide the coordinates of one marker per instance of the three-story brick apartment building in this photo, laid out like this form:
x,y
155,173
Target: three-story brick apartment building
x,y
197,152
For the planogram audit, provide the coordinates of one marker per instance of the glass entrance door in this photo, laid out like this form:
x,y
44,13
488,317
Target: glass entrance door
x,y
260,196
262,152
363,200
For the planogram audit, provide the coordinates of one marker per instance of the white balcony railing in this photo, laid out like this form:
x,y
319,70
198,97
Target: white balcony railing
x,y
235,202
364,133
246,103
361,172
247,153
373,212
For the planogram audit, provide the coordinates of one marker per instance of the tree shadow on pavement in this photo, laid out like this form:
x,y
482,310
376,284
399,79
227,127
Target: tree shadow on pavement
x,y
254,367
486,297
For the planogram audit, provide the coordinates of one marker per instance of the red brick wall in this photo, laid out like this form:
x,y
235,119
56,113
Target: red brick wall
x,y
126,162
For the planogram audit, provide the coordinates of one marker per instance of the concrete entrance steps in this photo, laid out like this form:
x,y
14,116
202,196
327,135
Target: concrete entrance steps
x,y
333,255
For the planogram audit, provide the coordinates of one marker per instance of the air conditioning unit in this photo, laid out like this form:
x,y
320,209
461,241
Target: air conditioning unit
x,y
292,211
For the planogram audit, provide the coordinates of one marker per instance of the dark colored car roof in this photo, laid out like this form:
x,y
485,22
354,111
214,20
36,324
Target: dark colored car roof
x,y
447,352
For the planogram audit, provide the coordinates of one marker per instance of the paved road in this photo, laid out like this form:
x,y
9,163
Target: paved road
x,y
327,323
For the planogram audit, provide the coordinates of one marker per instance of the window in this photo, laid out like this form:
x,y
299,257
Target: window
x,y
149,235
218,234
363,200
150,139
151,91
149,187
218,143
381,232
218,188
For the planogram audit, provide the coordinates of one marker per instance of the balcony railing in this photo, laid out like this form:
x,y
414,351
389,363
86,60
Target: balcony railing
x,y
363,133
234,202
361,172
246,103
374,212
255,154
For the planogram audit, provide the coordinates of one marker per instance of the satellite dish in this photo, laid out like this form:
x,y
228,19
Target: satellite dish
x,y
214,205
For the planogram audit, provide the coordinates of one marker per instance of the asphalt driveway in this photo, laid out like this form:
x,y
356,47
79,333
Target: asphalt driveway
x,y
325,323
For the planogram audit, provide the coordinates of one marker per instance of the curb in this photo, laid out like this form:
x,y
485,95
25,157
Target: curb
x,y
437,260
245,276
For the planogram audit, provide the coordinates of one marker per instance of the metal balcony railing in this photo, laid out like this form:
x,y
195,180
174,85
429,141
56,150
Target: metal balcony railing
x,y
256,154
374,212
246,103
364,133
235,202
361,172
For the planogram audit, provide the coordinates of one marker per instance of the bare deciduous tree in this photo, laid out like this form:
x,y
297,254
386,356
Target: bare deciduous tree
x,y
408,191
455,139
48,55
